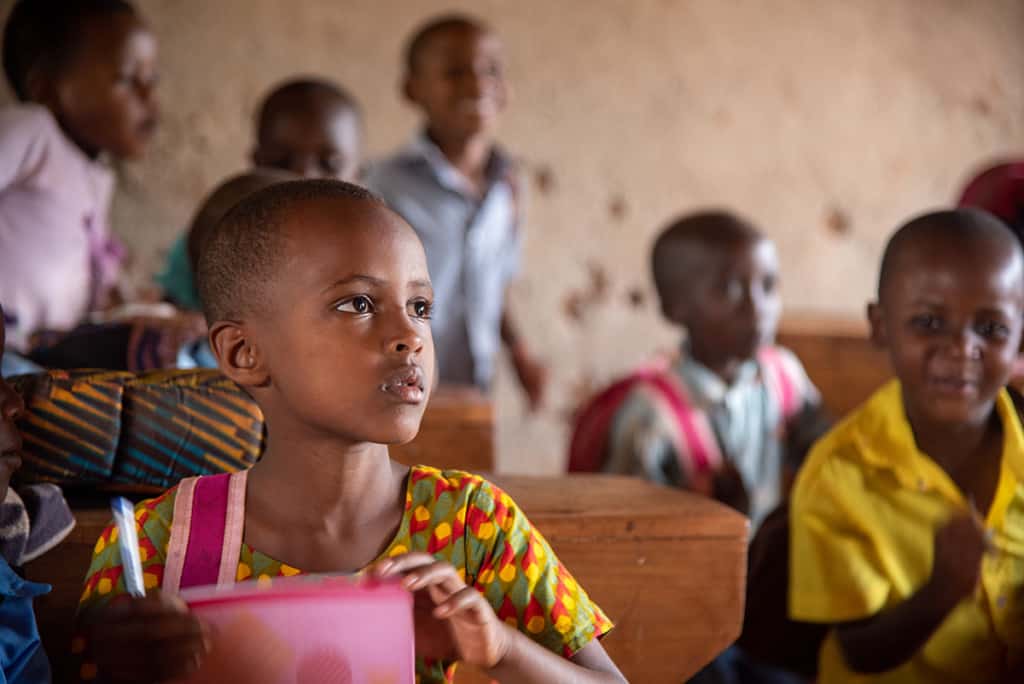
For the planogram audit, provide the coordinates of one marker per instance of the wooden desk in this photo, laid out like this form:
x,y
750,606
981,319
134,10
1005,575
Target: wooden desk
x,y
668,567
457,432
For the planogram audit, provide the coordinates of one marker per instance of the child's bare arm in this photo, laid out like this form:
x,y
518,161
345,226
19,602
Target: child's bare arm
x,y
528,662
533,375
455,621
889,639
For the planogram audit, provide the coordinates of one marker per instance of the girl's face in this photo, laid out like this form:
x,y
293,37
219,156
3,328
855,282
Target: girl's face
x,y
104,98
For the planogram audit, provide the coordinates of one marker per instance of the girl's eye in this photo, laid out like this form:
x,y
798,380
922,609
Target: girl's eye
x,y
421,308
357,305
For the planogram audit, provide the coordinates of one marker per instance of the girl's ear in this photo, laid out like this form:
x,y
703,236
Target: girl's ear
x,y
41,89
879,335
237,356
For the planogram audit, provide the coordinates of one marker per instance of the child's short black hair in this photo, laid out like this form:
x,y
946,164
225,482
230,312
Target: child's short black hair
x,y
684,242
45,34
962,226
421,38
284,96
219,202
240,255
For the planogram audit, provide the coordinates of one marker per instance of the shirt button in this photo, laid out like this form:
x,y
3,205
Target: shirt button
x,y
922,485
1001,601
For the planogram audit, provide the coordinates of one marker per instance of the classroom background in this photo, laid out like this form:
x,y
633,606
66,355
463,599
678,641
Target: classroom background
x,y
828,122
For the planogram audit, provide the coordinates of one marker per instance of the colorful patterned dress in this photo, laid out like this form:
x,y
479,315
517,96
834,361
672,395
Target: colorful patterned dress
x,y
456,517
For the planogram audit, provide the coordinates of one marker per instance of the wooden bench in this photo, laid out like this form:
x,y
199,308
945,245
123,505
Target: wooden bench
x,y
840,359
668,567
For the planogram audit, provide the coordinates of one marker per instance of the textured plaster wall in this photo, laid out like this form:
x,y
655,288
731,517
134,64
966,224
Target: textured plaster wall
x,y
827,121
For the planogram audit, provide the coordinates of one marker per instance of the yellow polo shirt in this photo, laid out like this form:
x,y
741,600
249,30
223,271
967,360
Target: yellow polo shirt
x,y
864,514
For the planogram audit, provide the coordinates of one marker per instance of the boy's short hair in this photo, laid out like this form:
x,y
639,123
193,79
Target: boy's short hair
x,y
963,226
679,246
239,257
420,40
284,95
45,34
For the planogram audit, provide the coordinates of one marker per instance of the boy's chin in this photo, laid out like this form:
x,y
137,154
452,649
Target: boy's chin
x,y
959,411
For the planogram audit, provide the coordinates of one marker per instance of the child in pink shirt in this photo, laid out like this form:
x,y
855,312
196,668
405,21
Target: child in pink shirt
x,y
84,73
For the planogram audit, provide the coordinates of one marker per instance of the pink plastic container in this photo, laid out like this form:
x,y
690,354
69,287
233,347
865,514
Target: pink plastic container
x,y
306,630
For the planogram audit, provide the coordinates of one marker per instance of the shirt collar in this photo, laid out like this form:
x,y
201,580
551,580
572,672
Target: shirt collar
x,y
421,149
886,441
706,387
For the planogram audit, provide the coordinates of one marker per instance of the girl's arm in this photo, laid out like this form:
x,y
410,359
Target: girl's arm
x,y
527,661
455,622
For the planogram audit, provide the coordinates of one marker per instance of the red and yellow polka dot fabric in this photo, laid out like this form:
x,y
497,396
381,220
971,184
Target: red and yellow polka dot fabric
x,y
455,516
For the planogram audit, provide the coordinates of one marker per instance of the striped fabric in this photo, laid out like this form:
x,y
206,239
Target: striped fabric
x,y
139,431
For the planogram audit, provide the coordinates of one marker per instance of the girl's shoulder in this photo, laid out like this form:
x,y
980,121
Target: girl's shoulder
x,y
455,489
28,120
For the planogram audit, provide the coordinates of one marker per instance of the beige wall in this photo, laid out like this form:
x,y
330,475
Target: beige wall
x,y
807,115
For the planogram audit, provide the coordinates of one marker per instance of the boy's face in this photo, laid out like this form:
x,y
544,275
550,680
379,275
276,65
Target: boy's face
x,y
345,339
104,98
315,139
11,408
731,307
951,320
459,82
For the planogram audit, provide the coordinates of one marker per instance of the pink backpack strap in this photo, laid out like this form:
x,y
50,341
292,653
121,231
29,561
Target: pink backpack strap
x,y
698,440
206,532
781,380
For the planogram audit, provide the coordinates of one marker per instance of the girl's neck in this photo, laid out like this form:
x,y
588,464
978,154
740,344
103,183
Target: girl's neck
x,y
91,153
469,155
324,487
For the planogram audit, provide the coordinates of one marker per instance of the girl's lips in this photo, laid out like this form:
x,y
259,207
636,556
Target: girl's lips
x,y
406,384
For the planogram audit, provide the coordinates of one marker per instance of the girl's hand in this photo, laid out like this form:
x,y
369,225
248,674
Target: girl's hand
x,y
453,621
152,639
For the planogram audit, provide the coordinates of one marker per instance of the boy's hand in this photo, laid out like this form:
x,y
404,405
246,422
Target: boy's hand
x,y
152,639
171,335
959,548
453,621
727,487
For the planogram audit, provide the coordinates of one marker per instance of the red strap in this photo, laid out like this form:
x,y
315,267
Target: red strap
x,y
700,451
781,382
588,447
206,532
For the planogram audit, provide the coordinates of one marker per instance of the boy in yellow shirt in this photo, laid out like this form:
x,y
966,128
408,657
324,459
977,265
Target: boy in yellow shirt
x,y
907,520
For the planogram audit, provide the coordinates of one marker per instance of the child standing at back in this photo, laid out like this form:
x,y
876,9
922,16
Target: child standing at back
x,y
906,535
457,189
319,301
717,418
85,74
